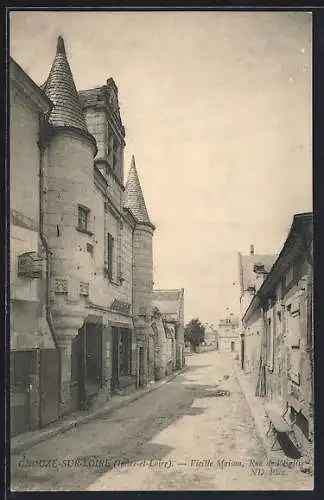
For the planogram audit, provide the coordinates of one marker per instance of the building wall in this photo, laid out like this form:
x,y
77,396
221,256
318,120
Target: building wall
x,y
69,172
103,290
252,345
29,328
224,344
206,348
143,270
96,122
24,156
286,332
227,333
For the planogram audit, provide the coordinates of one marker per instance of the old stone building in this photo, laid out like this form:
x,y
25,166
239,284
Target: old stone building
x,y
228,334
33,343
280,316
210,342
81,250
253,269
169,313
211,335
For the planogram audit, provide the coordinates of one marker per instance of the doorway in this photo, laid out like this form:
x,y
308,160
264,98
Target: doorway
x,y
115,358
86,364
23,365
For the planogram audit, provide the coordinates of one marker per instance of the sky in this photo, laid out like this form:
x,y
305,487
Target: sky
x,y
217,108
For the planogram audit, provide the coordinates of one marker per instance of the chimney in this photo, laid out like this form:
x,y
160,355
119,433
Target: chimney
x,y
251,249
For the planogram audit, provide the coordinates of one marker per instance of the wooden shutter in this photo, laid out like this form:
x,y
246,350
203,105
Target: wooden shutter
x,y
110,255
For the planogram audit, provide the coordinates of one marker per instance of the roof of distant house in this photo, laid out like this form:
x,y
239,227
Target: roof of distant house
x,y
246,268
231,320
169,302
209,329
302,224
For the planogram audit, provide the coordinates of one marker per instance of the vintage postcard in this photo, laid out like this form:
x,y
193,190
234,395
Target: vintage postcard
x,y
161,250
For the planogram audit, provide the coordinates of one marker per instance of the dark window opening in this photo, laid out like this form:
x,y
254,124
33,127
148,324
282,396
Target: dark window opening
x,y
125,352
109,254
83,218
90,248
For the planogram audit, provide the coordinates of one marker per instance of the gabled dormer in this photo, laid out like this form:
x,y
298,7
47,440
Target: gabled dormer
x,y
101,107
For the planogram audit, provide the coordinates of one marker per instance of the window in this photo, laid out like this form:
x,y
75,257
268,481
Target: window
x,y
83,218
293,336
270,339
109,255
115,155
289,276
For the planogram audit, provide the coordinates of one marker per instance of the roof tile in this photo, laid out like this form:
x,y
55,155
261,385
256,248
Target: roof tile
x,y
60,88
134,199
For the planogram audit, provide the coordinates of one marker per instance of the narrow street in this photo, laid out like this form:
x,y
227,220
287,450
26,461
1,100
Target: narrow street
x,y
182,436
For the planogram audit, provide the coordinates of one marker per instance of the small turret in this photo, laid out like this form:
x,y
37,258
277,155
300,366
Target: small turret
x,y
60,88
67,158
142,245
134,199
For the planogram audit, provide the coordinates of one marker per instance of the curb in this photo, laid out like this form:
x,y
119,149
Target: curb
x,y
84,419
270,454
258,424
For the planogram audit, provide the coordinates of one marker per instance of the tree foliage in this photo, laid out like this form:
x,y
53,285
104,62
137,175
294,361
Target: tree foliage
x,y
194,332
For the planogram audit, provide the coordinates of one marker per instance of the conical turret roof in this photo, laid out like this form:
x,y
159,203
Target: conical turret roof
x,y
134,199
60,88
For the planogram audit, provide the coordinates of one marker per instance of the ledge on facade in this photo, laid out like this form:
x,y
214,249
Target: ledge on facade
x,y
57,128
109,169
99,307
84,231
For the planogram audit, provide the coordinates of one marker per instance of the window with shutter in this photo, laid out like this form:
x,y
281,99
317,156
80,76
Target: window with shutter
x,y
109,255
293,337
83,218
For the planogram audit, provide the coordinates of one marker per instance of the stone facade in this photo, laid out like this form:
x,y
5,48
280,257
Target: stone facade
x,y
279,320
228,334
86,241
169,304
31,331
253,269
211,336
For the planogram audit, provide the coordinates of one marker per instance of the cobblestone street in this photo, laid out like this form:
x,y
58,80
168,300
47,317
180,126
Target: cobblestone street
x,y
182,436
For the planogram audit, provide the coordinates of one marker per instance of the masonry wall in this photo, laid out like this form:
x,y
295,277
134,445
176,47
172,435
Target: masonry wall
x,y
287,352
161,354
226,335
104,291
96,122
292,370
69,172
143,269
253,335
29,328
180,335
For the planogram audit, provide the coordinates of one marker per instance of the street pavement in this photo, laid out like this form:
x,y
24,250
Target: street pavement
x,y
184,436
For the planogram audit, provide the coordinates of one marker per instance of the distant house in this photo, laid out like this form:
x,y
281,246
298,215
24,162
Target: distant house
x,y
280,318
210,335
170,305
228,334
